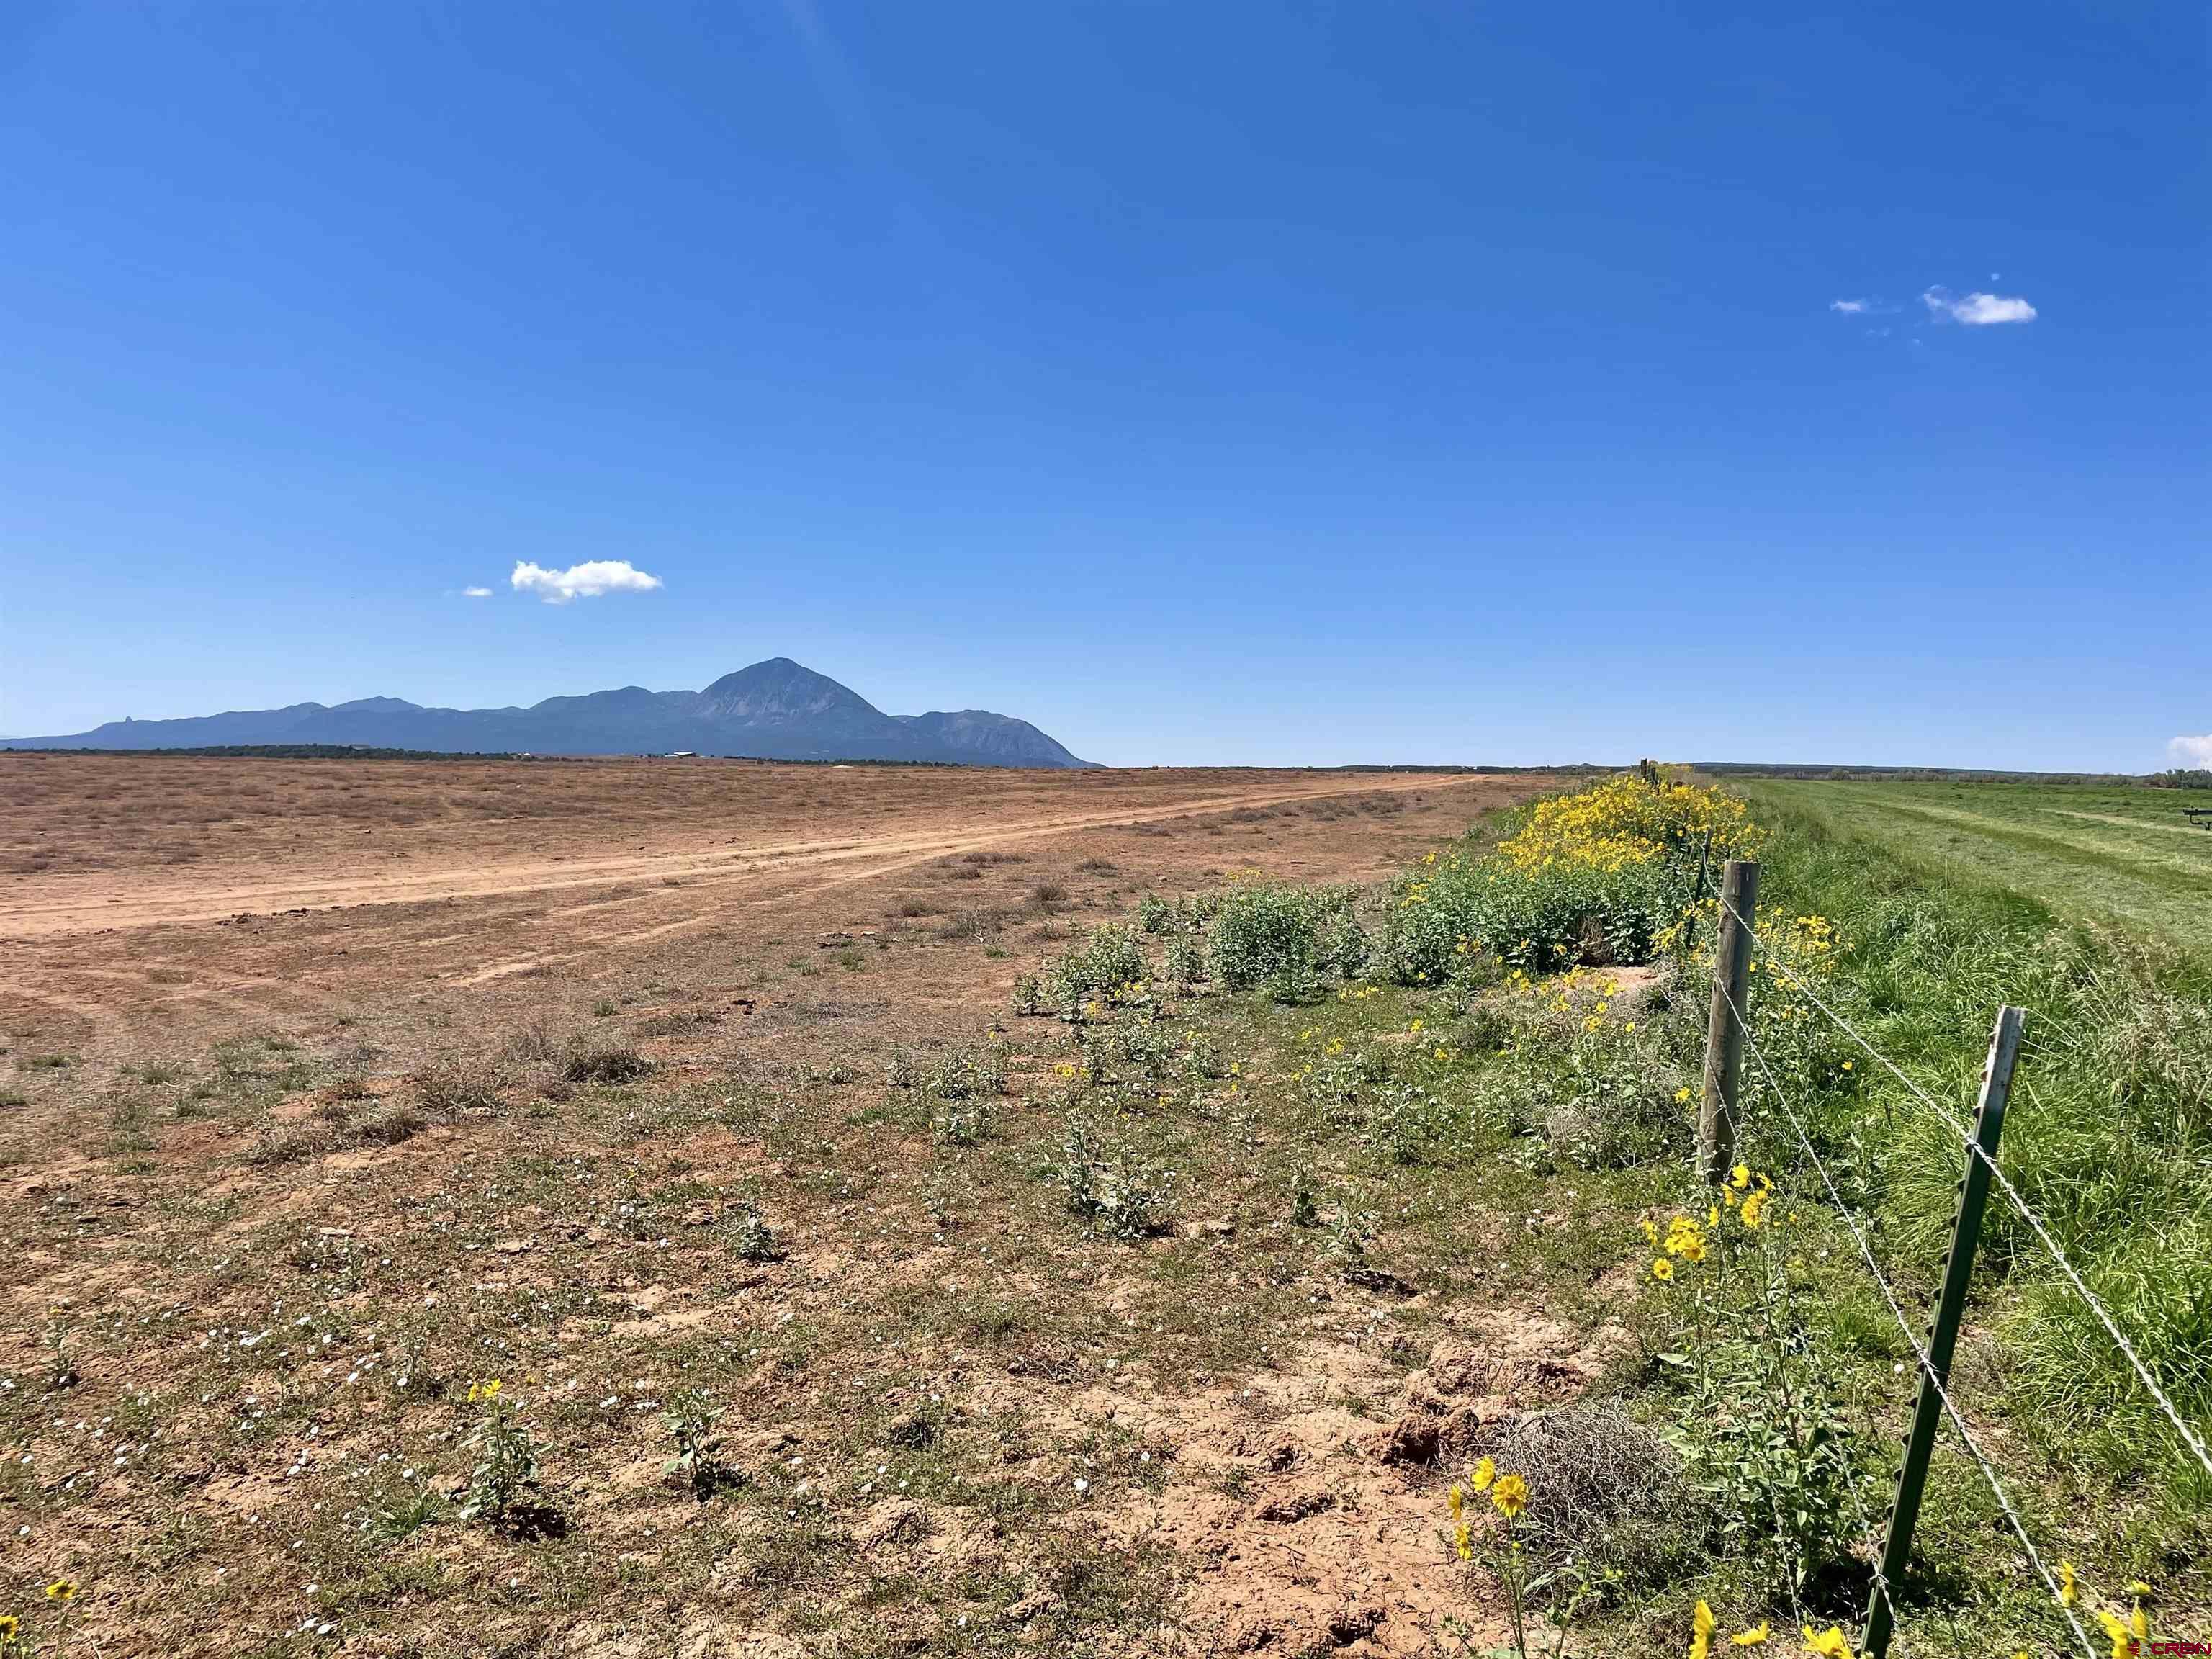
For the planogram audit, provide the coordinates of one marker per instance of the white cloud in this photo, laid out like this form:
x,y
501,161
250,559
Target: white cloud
x,y
587,580
1849,307
1978,308
475,592
2194,753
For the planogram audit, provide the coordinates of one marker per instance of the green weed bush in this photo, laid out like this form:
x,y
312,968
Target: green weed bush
x,y
1286,937
1117,1188
965,1073
1110,966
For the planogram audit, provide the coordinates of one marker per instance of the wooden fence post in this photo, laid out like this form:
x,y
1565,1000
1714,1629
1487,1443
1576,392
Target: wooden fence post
x,y
1943,1338
1716,1112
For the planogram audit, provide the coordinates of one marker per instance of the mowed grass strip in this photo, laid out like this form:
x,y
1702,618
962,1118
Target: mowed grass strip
x,y
2088,855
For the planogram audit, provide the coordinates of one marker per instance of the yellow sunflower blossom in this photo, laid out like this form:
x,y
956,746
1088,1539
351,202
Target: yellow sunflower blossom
x,y
1510,1495
2128,1635
1754,1637
1701,1631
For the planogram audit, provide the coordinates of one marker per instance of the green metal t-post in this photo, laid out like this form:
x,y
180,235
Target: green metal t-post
x,y
1943,1340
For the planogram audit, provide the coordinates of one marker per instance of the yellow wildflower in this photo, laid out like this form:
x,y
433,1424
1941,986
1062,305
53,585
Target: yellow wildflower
x,y
1754,1637
1828,1643
2069,1592
1681,1094
1482,1475
1663,1269
1739,1178
1456,1500
1701,1631
1510,1495
10,1627
62,1589
1463,1541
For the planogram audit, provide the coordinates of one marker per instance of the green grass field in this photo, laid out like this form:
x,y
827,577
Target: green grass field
x,y
2118,858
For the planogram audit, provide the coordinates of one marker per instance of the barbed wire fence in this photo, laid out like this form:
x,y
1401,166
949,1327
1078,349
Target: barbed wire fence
x,y
1730,1036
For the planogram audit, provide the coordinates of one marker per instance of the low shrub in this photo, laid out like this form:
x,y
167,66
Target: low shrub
x,y
587,1062
1184,963
456,1083
1604,1490
751,1237
964,1073
1110,966
1118,1190
963,1122
508,1459
1600,875
1286,937
698,1460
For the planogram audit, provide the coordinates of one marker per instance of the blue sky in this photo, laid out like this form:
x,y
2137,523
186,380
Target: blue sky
x,y
1273,382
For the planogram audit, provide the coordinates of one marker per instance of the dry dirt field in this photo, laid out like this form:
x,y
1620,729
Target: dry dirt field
x,y
328,1088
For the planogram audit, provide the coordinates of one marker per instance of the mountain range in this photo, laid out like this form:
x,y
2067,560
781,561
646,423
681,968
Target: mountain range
x,y
773,710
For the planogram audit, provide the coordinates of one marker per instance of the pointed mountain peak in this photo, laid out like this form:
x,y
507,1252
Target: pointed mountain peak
x,y
780,688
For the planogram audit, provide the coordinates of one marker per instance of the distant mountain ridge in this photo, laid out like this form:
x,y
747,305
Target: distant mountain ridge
x,y
773,710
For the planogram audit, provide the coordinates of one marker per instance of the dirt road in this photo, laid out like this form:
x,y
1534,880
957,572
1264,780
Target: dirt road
x,y
158,904
91,904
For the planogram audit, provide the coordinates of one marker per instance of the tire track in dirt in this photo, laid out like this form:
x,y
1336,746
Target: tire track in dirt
x,y
895,855
42,918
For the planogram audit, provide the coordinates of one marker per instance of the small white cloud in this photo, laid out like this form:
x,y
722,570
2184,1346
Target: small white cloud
x,y
2195,753
1849,307
587,580
475,592
1978,308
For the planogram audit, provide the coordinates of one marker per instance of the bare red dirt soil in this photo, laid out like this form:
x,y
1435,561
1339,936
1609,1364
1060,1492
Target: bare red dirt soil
x,y
281,1052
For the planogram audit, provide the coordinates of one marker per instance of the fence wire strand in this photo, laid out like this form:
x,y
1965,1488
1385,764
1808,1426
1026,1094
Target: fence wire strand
x,y
2172,1414
1927,1363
